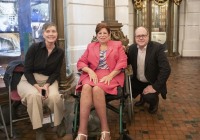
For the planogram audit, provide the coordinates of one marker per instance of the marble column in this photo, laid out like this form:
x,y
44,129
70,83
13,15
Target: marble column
x,y
109,10
173,31
67,81
109,18
57,15
171,28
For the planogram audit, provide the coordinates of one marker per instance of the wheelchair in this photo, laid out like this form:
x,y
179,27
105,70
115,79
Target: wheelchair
x,y
124,111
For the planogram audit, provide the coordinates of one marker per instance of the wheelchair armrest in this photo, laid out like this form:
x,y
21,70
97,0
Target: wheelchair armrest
x,y
128,70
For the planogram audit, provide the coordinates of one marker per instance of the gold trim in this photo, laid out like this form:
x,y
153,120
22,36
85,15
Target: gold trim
x,y
138,4
160,2
177,2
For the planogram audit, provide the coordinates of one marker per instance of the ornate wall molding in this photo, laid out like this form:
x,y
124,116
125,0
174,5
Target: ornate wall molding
x,y
119,36
177,2
138,4
160,2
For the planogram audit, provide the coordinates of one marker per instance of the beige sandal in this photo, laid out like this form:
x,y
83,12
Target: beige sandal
x,y
103,135
80,135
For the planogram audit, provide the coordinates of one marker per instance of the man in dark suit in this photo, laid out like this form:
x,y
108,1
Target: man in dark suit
x,y
151,69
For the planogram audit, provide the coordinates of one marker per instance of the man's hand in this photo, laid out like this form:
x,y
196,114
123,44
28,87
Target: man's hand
x,y
149,89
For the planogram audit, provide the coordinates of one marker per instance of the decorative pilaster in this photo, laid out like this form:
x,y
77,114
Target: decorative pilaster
x,y
58,18
109,18
138,4
109,10
67,81
177,2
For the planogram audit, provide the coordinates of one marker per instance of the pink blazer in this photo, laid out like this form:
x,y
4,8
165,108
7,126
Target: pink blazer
x,y
115,57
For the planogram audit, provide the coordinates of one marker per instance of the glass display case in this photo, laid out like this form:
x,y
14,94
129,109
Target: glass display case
x,y
141,15
160,17
159,22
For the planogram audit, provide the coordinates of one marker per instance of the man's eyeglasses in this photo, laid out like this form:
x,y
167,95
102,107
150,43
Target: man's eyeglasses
x,y
141,36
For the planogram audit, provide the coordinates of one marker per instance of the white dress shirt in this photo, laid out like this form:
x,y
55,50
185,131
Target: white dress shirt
x,y
141,64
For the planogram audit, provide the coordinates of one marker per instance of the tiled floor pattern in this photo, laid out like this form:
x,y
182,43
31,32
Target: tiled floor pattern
x,y
178,117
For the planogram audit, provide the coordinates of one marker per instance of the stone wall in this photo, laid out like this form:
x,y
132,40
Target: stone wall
x,y
189,36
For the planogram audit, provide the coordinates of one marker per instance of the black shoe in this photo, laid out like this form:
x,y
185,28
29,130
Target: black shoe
x,y
140,102
61,129
40,134
153,108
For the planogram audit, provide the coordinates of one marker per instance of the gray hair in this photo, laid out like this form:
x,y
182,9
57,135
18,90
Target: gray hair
x,y
48,24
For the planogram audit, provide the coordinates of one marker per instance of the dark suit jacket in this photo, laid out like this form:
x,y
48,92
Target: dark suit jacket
x,y
157,68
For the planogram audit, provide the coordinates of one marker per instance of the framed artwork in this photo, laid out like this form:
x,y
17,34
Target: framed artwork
x,y
40,14
14,30
9,50
9,44
40,10
8,16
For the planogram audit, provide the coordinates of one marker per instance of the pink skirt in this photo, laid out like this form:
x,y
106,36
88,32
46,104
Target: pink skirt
x,y
109,89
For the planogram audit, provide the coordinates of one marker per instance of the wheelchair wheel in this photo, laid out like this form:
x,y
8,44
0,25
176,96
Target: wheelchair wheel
x,y
129,111
129,100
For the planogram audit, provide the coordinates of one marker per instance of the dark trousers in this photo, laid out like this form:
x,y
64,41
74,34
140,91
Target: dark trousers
x,y
138,87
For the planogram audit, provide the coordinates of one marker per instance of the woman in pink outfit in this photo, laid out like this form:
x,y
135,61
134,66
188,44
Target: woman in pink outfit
x,y
101,66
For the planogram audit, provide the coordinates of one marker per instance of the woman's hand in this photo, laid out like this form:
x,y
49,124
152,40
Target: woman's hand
x,y
93,76
37,87
91,73
106,79
45,87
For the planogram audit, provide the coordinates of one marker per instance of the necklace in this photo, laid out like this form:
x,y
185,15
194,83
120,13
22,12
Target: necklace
x,y
103,47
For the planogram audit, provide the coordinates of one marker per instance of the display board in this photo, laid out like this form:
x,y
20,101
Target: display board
x,y
9,44
18,32
8,16
159,37
39,15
